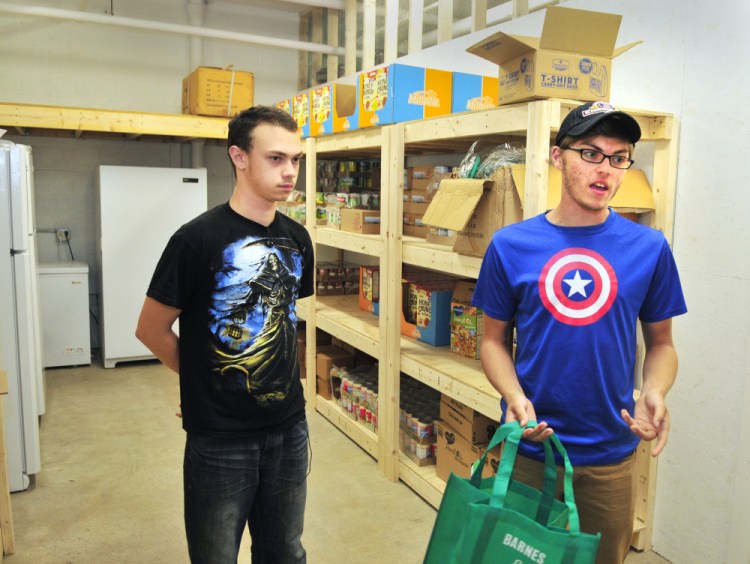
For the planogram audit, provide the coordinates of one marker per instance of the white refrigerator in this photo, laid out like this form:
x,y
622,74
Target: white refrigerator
x,y
138,210
20,340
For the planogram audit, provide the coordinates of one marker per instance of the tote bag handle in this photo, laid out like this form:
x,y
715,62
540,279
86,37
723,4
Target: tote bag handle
x,y
505,471
501,434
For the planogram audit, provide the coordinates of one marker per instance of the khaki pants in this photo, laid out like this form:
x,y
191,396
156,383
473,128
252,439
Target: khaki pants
x,y
605,499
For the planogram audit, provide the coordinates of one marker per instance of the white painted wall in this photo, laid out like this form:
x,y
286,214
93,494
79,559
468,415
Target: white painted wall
x,y
693,62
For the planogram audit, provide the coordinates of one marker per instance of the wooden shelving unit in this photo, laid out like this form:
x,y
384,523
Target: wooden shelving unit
x,y
533,124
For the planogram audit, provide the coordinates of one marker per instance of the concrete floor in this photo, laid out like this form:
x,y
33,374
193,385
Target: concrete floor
x,y
110,489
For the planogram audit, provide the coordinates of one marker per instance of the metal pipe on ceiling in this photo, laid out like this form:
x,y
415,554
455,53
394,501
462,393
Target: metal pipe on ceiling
x,y
87,17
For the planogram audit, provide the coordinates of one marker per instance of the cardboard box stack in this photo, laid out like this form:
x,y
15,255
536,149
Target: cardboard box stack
x,y
211,91
327,359
462,437
419,410
322,338
572,59
420,184
475,209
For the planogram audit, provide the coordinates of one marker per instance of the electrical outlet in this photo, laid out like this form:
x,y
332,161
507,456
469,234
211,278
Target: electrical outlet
x,y
63,234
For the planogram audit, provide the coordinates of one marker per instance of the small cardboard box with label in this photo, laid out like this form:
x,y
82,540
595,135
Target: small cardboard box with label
x,y
475,208
301,112
331,106
285,104
211,91
473,92
572,59
398,93
467,321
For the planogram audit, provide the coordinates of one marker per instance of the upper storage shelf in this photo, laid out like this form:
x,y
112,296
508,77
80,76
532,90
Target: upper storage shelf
x,y
60,121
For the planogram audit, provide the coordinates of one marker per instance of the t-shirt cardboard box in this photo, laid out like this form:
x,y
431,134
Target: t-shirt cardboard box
x,y
331,105
301,112
467,321
473,92
572,58
473,426
398,93
212,91
475,208
455,454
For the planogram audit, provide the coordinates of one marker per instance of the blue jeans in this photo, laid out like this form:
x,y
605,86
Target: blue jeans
x,y
261,481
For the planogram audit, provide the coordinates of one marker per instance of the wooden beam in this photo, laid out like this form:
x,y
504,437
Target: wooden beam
x,y
445,21
317,37
390,47
303,58
350,38
416,24
478,15
111,121
369,21
520,8
333,41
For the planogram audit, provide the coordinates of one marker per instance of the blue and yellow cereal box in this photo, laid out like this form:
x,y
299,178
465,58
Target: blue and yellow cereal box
x,y
473,92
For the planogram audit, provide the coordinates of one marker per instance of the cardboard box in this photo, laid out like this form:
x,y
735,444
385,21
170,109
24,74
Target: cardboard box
x,y
473,92
331,106
329,356
467,321
285,105
572,58
398,93
369,288
366,222
301,112
475,209
211,91
432,312
455,454
473,426
324,388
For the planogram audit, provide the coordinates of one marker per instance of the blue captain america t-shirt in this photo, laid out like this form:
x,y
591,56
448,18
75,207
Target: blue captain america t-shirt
x,y
576,294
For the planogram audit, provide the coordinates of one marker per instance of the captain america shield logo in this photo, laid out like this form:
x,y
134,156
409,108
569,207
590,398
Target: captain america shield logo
x,y
577,286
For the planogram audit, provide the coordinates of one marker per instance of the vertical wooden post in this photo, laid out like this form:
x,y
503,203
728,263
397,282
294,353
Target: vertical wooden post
x,y
537,157
6,513
311,178
445,21
303,58
390,47
391,224
317,38
478,15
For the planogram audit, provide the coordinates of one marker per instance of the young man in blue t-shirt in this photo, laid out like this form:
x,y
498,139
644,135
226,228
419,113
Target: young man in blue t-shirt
x,y
576,280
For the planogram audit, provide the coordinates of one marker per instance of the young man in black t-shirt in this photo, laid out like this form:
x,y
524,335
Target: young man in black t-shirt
x,y
232,277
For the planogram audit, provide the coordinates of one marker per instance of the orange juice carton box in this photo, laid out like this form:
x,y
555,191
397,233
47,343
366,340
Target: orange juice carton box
x,y
473,92
301,112
398,93
332,107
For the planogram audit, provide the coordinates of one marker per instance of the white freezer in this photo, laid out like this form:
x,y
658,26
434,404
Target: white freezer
x,y
138,210
64,307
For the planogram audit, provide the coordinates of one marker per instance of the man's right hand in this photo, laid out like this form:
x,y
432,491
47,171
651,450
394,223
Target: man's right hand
x,y
522,410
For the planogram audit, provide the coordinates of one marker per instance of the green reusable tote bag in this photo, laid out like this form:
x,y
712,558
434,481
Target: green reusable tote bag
x,y
499,520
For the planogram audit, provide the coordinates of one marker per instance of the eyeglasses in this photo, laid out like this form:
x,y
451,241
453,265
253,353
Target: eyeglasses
x,y
594,156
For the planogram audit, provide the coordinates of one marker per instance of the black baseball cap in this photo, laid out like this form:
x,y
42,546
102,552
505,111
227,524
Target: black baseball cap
x,y
580,121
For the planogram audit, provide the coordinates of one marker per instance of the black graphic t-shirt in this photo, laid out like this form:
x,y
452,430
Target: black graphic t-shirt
x,y
237,283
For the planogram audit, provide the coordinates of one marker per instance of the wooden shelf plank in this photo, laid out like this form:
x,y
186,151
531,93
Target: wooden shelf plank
x,y
508,120
422,479
440,257
371,245
341,317
360,434
112,121
461,378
